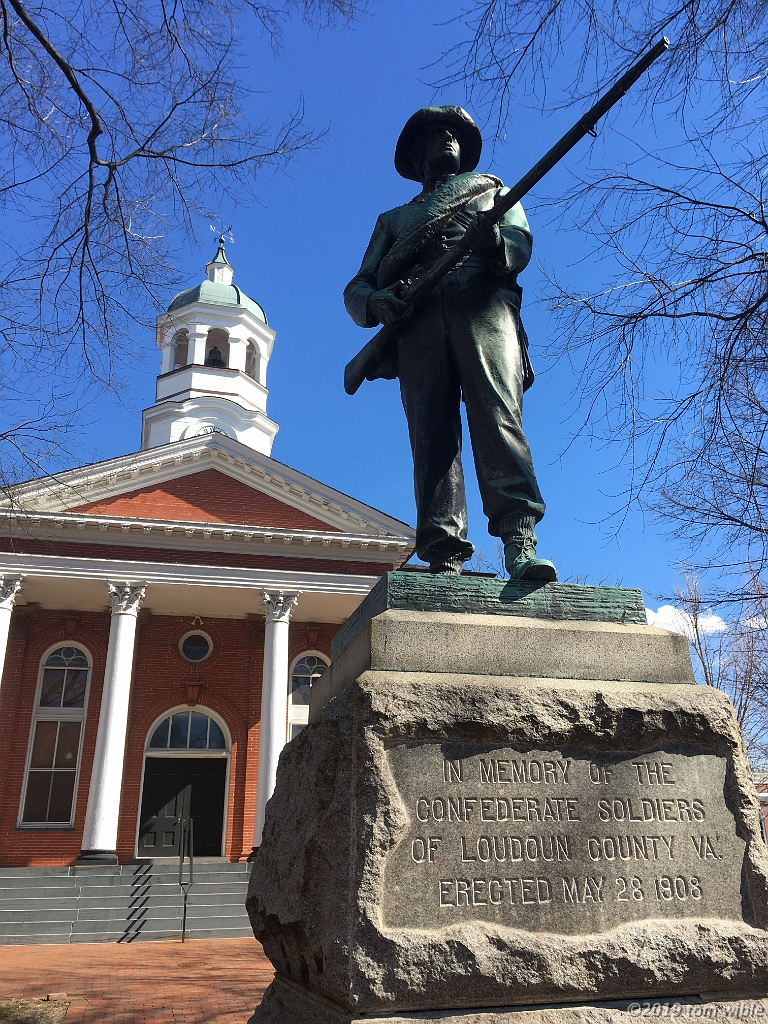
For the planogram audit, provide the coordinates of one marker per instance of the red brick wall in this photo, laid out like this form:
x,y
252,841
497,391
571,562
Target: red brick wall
x,y
32,633
230,684
206,497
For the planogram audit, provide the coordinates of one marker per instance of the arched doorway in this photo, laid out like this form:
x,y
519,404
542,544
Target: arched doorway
x,y
186,763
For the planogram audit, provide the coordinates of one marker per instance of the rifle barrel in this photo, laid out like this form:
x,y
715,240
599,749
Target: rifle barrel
x,y
357,369
584,126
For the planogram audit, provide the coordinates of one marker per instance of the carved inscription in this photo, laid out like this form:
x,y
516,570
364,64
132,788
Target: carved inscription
x,y
564,841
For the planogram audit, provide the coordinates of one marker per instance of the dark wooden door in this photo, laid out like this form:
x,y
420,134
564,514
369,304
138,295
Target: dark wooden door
x,y
208,781
176,788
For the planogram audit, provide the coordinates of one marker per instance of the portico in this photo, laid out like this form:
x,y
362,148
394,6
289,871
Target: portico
x,y
167,589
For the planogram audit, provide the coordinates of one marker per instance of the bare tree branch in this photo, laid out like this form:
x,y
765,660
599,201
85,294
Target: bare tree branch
x,y
680,234
123,126
734,659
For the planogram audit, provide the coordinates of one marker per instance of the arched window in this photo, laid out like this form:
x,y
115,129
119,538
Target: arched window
x,y
187,730
180,351
53,757
217,348
307,668
252,360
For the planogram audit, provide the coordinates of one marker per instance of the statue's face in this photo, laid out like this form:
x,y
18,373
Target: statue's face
x,y
438,152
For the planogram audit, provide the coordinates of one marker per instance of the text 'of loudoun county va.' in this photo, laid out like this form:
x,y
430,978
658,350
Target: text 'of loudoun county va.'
x,y
559,841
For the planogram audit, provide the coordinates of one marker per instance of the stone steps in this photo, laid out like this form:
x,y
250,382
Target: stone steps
x,y
122,903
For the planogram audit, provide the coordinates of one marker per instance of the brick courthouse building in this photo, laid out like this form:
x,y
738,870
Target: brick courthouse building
x,y
162,613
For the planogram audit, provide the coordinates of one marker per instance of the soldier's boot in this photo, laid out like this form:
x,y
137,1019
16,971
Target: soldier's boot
x,y
520,554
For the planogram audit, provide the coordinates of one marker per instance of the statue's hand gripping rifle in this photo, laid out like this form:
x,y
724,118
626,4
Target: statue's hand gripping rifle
x,y
359,368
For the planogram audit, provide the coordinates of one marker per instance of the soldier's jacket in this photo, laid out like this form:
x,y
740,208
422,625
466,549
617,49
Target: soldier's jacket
x,y
410,238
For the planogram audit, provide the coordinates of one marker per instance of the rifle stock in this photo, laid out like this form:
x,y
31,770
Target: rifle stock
x,y
359,368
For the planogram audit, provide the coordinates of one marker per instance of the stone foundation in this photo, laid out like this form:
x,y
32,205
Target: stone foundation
x,y
487,835
286,1002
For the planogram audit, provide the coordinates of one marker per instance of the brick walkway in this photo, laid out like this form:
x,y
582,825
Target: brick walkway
x,y
203,981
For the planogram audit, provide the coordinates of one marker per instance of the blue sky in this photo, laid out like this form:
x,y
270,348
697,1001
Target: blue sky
x,y
298,245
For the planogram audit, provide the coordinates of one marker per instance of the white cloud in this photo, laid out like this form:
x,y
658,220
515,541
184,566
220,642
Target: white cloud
x,y
679,621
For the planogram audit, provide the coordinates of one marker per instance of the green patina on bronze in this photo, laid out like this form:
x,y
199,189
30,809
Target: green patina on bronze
x,y
465,343
478,595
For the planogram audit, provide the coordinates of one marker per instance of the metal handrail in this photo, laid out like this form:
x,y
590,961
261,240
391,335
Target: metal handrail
x,y
186,851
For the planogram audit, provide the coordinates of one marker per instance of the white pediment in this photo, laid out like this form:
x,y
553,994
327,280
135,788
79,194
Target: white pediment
x,y
106,480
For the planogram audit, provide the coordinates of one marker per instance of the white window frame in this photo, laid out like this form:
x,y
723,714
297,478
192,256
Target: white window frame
x,y
299,714
55,715
186,751
180,338
187,635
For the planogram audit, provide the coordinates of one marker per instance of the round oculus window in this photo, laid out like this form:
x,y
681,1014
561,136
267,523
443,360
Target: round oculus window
x,y
196,646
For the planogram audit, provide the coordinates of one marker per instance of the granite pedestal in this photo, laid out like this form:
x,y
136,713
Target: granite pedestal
x,y
512,803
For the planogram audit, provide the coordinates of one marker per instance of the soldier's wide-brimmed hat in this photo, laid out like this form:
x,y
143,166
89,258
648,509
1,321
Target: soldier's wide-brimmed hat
x,y
457,119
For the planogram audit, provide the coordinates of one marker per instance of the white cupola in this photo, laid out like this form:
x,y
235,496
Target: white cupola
x,y
215,345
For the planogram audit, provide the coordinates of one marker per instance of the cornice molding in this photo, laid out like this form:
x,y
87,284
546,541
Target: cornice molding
x,y
82,527
145,573
213,314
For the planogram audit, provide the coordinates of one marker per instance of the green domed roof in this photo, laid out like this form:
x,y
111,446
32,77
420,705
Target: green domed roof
x,y
219,295
215,291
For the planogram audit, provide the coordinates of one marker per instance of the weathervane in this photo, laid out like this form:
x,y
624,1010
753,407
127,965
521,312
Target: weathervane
x,y
224,235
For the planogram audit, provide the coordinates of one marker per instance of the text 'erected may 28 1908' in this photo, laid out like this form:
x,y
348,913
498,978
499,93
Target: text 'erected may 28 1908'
x,y
554,840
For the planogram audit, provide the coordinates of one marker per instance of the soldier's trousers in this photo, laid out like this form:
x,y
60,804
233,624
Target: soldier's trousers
x,y
464,343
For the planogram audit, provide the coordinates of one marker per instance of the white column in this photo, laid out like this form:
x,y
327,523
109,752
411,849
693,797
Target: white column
x,y
274,699
237,350
10,587
262,358
101,816
167,361
198,338
169,351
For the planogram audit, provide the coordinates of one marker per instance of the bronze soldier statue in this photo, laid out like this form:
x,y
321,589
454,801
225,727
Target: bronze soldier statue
x,y
465,341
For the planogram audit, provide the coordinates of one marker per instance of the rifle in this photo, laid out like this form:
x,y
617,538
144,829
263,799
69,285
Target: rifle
x,y
358,369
